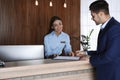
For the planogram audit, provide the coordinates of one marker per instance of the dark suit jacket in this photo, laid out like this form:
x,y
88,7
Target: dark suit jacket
x,y
106,59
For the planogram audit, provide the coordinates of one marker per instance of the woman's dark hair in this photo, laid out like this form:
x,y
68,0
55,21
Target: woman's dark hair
x,y
51,23
99,5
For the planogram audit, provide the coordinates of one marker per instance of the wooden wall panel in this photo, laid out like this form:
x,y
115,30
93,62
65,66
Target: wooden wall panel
x,y
21,22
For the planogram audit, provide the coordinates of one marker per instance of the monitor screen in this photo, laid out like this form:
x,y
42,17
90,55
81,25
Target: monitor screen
x,y
21,52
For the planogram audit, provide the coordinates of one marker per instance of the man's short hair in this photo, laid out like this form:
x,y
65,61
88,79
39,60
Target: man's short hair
x,y
99,5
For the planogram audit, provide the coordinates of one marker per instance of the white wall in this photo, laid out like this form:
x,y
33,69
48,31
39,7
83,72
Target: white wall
x,y
87,24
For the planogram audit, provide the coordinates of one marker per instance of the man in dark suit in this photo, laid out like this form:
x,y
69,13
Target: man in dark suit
x,y
106,59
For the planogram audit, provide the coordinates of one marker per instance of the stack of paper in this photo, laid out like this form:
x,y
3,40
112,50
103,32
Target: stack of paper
x,y
67,58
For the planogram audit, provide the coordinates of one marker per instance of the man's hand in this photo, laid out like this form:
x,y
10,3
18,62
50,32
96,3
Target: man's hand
x,y
82,55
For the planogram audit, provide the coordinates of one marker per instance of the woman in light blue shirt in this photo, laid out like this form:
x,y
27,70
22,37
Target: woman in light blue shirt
x,y
56,40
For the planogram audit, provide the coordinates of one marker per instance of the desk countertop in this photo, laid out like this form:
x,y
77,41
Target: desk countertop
x,y
38,67
32,62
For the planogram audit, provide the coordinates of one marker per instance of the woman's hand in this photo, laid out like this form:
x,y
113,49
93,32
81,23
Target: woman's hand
x,y
53,55
71,54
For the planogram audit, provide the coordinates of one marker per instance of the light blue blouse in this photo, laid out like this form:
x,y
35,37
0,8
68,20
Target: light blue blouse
x,y
55,44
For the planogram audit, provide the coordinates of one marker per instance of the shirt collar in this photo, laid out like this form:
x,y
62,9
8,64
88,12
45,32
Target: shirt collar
x,y
53,33
103,25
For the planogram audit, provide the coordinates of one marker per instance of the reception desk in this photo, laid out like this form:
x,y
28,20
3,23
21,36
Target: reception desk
x,y
47,69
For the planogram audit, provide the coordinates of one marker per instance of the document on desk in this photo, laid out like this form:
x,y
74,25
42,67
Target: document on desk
x,y
67,58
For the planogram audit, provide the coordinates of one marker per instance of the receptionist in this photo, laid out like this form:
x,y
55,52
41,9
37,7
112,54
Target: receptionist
x,y
56,40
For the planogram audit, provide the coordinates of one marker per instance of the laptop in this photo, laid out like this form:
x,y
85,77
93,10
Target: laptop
x,y
21,52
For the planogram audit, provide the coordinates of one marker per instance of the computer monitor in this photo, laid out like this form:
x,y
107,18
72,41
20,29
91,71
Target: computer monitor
x,y
21,52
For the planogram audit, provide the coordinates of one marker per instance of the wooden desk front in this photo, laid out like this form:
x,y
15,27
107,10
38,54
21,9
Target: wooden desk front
x,y
47,69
